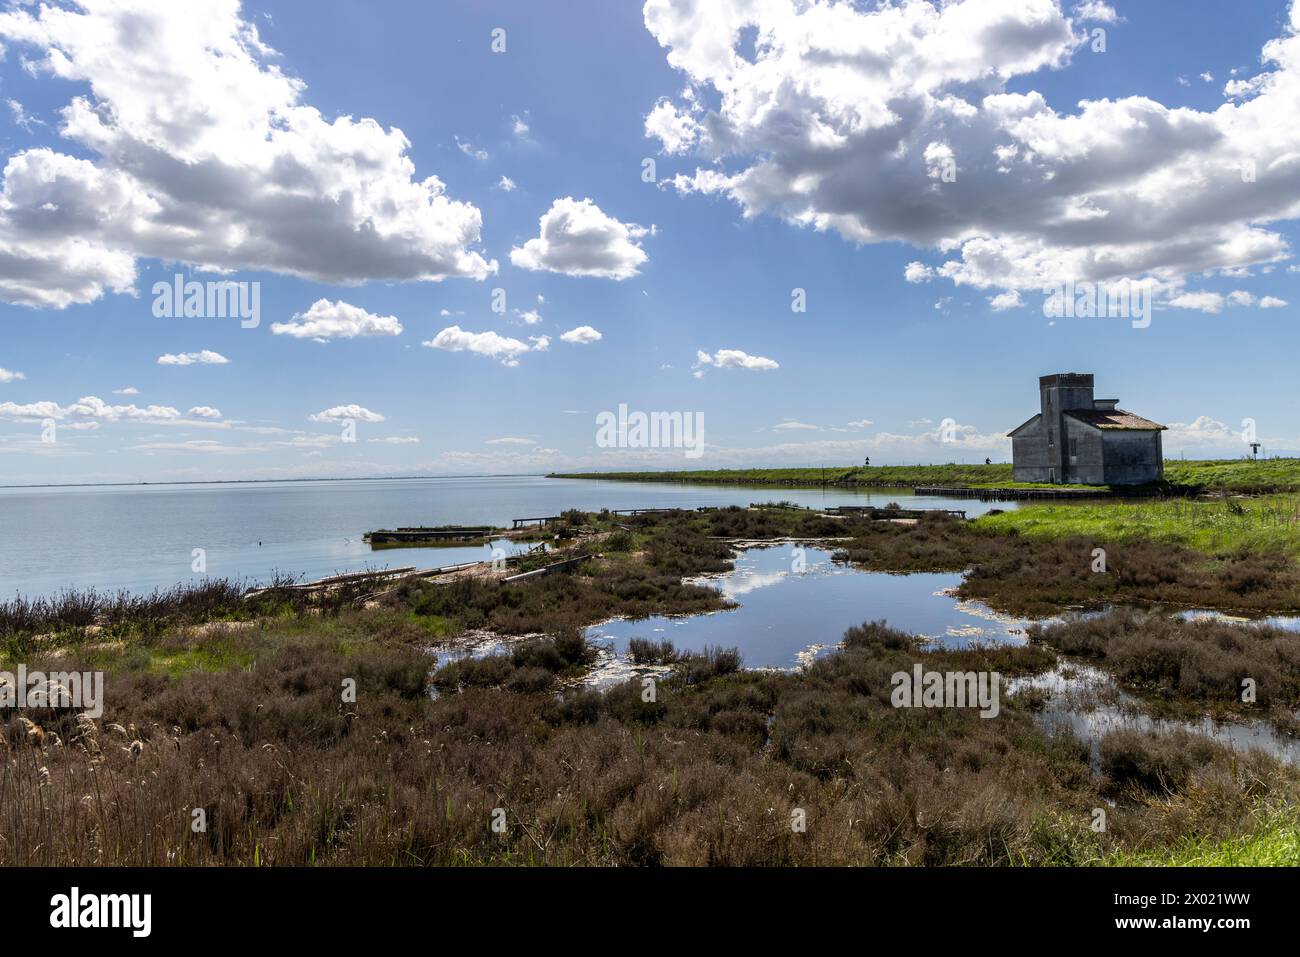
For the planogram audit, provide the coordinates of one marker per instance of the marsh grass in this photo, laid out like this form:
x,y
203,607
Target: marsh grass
x,y
643,651
29,626
708,773
248,724
1039,574
1189,666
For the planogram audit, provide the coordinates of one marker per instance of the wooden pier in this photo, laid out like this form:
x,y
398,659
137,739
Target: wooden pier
x,y
409,535
540,522
1025,494
878,512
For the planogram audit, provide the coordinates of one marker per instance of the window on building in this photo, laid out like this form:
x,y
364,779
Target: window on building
x,y
1051,436
1074,447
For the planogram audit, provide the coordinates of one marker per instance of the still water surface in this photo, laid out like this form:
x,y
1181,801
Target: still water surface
x,y
140,537
787,616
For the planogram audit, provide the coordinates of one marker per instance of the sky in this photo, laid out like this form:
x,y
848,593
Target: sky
x,y
464,231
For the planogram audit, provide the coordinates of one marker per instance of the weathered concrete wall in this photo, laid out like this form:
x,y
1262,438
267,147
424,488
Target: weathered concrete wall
x,y
1086,466
1133,457
1057,395
1029,457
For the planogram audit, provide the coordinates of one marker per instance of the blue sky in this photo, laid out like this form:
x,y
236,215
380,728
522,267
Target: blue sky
x,y
799,146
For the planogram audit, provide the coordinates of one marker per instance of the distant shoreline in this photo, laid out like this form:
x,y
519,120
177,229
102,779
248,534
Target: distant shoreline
x,y
1182,476
882,476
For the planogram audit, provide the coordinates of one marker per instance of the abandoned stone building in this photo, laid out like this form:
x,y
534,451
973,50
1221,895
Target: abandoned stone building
x,y
1077,439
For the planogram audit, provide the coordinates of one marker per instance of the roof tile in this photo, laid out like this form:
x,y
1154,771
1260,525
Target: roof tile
x,y
1113,419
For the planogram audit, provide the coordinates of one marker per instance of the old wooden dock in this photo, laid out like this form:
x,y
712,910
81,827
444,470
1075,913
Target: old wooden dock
x,y
407,535
881,512
1020,494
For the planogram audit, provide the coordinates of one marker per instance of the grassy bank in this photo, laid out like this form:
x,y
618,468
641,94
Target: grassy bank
x,y
1219,475
1039,575
1274,842
1236,475
1267,524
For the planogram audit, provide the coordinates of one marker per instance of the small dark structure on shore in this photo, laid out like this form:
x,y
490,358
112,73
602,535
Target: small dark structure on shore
x,y
1078,439
888,512
438,534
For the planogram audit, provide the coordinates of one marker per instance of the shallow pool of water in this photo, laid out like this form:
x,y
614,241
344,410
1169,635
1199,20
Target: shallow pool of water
x,y
1285,622
795,603
1087,702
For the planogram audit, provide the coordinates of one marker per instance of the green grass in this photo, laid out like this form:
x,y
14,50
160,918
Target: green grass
x,y
439,626
1236,475
1276,843
209,657
1267,523
1210,475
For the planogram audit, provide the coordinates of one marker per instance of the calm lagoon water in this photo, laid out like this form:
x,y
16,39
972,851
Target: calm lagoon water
x,y
787,617
140,537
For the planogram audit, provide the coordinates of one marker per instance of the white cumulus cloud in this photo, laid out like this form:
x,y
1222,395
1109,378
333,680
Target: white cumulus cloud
x,y
918,272
800,98
582,335
195,146
342,413
1211,302
336,320
89,411
577,238
733,359
490,344
203,357
1006,300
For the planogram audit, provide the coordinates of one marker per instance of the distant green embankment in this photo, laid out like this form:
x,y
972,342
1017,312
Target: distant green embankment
x,y
1236,475
1210,475
895,475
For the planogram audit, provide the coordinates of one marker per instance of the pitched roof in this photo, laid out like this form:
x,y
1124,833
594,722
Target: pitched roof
x,y
1114,419
1032,419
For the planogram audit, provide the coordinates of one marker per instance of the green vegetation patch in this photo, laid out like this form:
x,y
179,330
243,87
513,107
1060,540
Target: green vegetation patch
x,y
1269,523
1210,475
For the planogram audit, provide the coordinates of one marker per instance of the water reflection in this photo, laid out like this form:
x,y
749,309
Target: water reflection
x,y
795,603
1088,703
